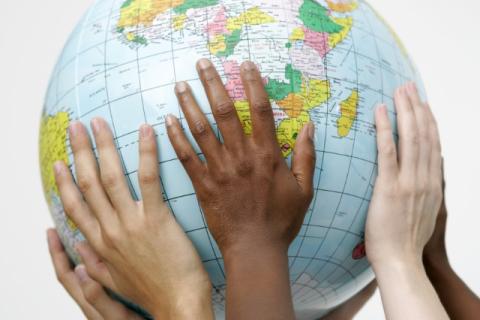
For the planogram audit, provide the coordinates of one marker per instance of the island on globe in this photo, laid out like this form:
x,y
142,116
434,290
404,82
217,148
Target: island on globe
x,y
326,61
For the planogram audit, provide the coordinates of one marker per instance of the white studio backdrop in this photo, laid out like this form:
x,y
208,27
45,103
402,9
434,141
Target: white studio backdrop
x,y
442,37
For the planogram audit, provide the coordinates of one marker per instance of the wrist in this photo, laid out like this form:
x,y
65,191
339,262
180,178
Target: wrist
x,y
405,272
252,249
399,263
194,303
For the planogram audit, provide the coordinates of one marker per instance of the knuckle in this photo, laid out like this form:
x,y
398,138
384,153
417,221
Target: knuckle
x,y
84,183
69,206
388,149
111,236
109,179
244,167
222,177
225,109
262,107
184,156
133,229
147,178
200,128
92,293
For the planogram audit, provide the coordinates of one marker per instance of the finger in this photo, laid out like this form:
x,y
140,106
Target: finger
x,y
148,174
222,106
96,268
74,205
66,275
407,130
260,109
184,150
436,161
111,172
98,298
198,123
304,158
87,174
424,132
387,150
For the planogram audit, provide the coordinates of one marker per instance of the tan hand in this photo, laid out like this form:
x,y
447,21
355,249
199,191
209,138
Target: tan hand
x,y
90,296
149,258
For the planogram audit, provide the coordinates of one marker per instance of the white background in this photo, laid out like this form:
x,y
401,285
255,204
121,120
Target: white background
x,y
442,37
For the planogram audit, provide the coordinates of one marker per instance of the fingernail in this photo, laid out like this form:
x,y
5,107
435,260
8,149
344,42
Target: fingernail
x,y
145,131
181,87
74,128
96,125
311,131
382,109
248,66
169,120
58,167
204,64
412,87
81,273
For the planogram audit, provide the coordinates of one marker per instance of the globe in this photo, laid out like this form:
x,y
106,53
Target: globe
x,y
326,61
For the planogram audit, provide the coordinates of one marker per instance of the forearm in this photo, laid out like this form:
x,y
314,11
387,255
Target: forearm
x,y
459,301
258,284
407,292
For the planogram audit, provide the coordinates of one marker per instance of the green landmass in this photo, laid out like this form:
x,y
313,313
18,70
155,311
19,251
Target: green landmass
x,y
315,17
140,40
127,3
194,4
231,42
279,90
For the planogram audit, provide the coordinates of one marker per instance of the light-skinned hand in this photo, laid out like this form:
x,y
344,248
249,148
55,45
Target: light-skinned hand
x,y
404,207
145,254
253,202
89,295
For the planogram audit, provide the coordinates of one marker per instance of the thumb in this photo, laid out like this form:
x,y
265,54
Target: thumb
x,y
304,159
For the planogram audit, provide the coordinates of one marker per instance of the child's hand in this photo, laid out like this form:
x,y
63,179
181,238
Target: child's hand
x,y
90,296
254,204
408,191
248,193
150,259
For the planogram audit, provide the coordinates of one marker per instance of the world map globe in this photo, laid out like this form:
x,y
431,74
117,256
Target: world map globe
x,y
326,61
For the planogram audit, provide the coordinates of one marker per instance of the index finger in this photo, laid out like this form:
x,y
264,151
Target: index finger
x,y
260,109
